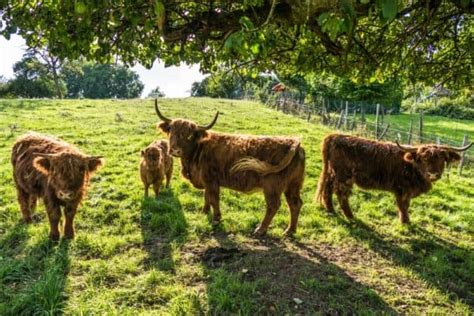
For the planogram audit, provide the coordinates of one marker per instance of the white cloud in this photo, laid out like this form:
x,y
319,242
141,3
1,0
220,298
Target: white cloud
x,y
175,82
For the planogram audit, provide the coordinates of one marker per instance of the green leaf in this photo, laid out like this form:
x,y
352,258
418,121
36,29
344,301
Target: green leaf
x,y
246,23
255,48
364,1
160,14
389,9
80,7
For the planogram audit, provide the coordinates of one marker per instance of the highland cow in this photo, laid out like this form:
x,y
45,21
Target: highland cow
x,y
406,171
51,169
155,165
243,163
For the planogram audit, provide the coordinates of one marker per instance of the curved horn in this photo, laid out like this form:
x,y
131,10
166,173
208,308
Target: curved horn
x,y
406,148
212,123
161,116
462,148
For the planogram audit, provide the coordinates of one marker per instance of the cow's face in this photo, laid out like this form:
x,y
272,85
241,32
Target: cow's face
x,y
431,160
152,156
183,135
67,173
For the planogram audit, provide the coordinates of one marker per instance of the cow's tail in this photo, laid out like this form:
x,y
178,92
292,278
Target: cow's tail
x,y
324,190
263,167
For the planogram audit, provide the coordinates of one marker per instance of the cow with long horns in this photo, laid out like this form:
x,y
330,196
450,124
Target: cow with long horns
x,y
49,168
406,171
243,163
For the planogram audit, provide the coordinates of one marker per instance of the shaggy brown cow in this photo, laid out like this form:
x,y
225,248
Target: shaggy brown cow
x,y
243,163
405,171
58,172
156,163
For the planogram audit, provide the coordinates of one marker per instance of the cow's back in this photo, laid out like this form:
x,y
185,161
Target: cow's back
x,y
219,153
23,153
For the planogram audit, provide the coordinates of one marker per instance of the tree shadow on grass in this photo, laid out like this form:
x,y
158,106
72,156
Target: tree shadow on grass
x,y
267,277
32,276
439,262
164,227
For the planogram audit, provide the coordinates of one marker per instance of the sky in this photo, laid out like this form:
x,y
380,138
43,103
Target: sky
x,y
175,82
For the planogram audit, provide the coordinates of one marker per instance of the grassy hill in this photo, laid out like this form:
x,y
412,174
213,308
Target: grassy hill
x,y
137,256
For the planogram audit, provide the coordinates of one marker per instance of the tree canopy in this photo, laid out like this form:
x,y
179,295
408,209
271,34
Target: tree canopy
x,y
363,40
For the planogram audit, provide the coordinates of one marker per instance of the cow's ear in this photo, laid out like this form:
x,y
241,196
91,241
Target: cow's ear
x,y
142,153
409,157
164,127
42,164
93,163
200,133
452,156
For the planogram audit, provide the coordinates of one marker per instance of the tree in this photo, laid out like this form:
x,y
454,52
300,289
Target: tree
x,y
51,63
156,93
95,81
110,81
362,40
33,80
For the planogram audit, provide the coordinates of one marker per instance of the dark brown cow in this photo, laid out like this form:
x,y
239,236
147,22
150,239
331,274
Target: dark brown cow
x,y
240,162
54,170
405,171
156,163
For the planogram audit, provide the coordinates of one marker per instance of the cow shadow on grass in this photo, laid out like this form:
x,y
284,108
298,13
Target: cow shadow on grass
x,y
33,273
164,228
268,277
442,264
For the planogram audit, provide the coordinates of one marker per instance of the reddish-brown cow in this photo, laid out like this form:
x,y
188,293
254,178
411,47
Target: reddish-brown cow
x,y
240,162
54,170
405,171
156,163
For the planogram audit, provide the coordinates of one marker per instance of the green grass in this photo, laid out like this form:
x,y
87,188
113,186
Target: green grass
x,y
141,256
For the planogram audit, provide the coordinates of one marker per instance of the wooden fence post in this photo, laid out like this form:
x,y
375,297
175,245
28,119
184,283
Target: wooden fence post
x,y
377,121
463,156
410,131
384,132
438,141
339,122
353,125
420,135
346,114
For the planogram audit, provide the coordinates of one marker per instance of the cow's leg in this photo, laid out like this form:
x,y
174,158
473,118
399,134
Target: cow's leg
x,y
326,194
207,204
343,192
156,187
403,203
273,204
212,195
69,213
292,195
169,173
25,207
54,216
147,186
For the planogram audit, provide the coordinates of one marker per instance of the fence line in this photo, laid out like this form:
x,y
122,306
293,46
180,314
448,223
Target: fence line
x,y
382,128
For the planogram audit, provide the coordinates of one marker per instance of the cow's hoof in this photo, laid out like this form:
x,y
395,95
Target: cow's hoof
x,y
289,232
54,238
259,232
68,236
216,222
26,220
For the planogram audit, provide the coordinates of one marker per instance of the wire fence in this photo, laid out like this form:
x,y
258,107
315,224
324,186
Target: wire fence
x,y
352,118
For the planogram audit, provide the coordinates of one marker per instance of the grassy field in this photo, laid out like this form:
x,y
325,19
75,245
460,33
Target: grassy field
x,y
141,256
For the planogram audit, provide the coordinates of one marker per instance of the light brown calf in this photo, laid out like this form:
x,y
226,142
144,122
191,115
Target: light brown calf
x,y
156,163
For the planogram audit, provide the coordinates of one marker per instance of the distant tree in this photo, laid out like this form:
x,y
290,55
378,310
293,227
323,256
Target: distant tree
x,y
156,93
33,80
52,64
97,81
72,74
